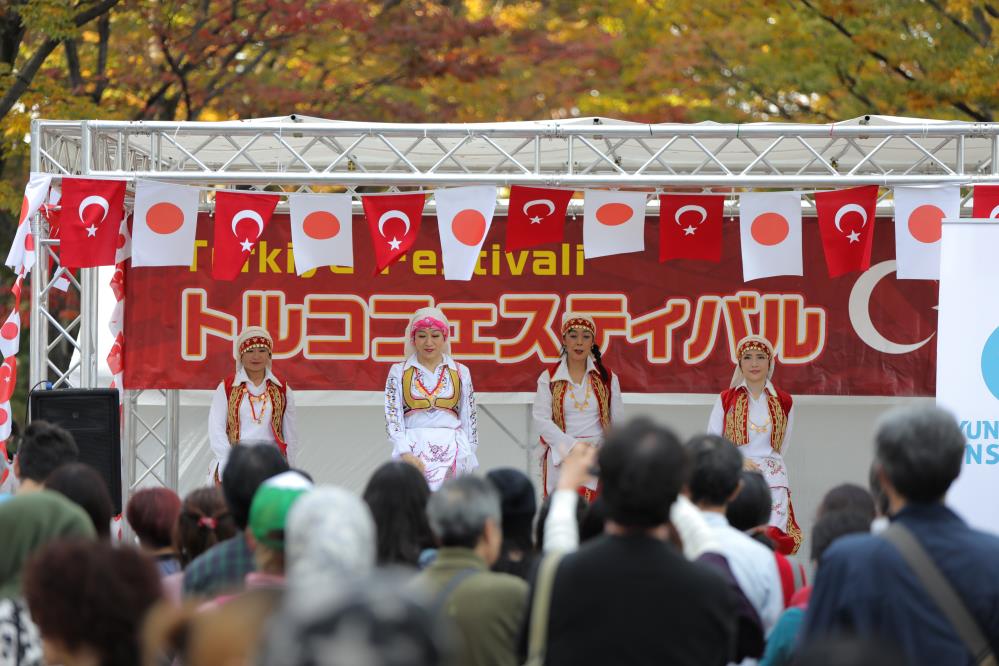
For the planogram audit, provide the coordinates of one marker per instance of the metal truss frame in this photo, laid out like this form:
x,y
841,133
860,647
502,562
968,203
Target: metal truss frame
x,y
294,153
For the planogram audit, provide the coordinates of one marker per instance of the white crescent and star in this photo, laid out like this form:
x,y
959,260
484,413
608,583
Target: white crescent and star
x,y
853,236
690,229
548,203
94,200
860,311
994,214
247,215
395,243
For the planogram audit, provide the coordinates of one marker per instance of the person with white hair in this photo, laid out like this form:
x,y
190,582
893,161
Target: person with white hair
x,y
758,417
430,404
577,400
252,405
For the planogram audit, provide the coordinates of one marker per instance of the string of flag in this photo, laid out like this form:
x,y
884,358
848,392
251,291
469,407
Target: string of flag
x,y
690,225
88,216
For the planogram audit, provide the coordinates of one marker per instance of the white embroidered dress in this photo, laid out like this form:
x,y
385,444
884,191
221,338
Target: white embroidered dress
x,y
582,417
254,423
759,448
428,422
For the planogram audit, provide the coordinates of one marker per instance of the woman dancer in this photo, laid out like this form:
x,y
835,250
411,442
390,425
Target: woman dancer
x,y
430,403
252,405
577,400
758,417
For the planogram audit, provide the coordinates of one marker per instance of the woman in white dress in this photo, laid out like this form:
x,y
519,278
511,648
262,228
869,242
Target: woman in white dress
x,y
430,404
758,417
577,399
251,406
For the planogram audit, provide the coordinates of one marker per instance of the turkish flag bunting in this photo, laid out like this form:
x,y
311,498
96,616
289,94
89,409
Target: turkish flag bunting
x,y
8,378
536,216
393,221
846,224
690,226
240,219
985,202
89,221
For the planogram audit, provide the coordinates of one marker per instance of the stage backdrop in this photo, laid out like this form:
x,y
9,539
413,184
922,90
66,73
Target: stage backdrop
x,y
664,328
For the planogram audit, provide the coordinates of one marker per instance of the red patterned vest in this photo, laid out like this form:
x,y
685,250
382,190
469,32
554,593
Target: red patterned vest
x,y
279,400
735,403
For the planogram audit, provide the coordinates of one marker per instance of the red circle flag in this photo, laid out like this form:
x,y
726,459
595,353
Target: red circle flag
x,y
613,214
9,331
469,227
769,228
4,416
164,218
926,223
321,225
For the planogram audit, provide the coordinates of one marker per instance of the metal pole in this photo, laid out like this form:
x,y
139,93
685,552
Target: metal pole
x,y
173,439
88,327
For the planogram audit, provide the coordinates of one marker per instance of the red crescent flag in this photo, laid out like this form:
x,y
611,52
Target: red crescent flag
x,y
536,216
393,221
846,224
985,202
690,226
240,219
89,221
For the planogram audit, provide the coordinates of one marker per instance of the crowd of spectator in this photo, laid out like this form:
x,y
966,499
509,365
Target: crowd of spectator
x,y
670,565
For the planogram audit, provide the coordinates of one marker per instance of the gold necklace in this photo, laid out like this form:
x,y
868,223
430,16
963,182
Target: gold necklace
x,y
761,427
586,396
263,399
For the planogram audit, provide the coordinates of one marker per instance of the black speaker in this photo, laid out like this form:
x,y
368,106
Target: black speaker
x,y
91,415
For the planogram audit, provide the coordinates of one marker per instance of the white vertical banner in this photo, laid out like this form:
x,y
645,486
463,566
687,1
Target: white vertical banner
x,y
968,362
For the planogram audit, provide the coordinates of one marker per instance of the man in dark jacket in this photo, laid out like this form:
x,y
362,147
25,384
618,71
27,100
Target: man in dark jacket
x,y
863,586
628,597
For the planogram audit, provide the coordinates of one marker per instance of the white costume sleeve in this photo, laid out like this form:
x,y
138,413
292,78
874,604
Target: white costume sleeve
x,y
558,442
395,424
716,422
695,533
561,530
469,417
218,440
288,426
616,403
787,432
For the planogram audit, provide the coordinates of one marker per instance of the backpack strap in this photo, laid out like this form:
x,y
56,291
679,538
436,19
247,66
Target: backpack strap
x,y
942,592
537,641
436,606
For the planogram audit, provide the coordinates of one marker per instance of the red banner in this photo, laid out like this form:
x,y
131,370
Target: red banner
x,y
664,328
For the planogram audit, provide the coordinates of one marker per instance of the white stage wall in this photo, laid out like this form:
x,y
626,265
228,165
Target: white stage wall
x,y
832,441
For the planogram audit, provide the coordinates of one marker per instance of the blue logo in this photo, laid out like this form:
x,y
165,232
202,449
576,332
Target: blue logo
x,y
990,363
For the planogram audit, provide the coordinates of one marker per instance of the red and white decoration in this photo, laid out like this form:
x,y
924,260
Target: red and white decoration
x,y
536,216
21,257
321,230
613,222
846,223
985,203
240,220
464,215
89,221
393,221
919,216
770,234
10,335
690,226
164,224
